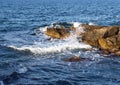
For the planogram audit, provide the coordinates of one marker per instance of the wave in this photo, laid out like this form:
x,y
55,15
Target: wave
x,y
41,44
69,44
1,83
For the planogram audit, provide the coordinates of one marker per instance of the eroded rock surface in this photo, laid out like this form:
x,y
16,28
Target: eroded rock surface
x,y
104,37
58,33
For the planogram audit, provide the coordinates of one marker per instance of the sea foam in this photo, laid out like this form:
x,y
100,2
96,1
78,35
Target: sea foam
x,y
56,47
48,46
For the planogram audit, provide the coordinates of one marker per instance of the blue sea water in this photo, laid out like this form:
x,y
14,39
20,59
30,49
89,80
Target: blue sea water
x,y
27,59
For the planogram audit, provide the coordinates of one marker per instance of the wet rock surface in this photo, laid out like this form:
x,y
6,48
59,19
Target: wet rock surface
x,y
60,30
104,37
58,33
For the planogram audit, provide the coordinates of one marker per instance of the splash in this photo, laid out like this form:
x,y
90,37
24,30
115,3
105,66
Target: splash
x,y
42,45
58,46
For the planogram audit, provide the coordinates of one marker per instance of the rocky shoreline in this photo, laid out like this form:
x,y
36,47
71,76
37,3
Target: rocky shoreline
x,y
105,38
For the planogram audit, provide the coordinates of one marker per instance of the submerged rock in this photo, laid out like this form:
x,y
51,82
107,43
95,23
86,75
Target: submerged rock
x,y
74,59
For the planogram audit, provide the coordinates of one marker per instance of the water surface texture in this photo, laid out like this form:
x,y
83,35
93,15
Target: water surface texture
x,y
27,59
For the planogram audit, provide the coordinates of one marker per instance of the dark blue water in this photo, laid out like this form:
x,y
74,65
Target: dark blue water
x,y
29,59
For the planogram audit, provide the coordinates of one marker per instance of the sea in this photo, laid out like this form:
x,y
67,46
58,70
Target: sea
x,y
28,57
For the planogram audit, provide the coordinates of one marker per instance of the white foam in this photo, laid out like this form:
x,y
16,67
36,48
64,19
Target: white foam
x,y
91,23
43,46
55,46
42,29
76,24
79,28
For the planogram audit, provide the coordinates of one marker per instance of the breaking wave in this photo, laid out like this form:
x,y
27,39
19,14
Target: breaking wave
x,y
41,44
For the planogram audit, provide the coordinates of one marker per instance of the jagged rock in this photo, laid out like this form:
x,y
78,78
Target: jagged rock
x,y
97,32
110,42
111,31
91,37
104,37
58,33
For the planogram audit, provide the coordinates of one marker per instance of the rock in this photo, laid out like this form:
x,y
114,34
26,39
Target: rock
x,y
117,53
108,51
58,33
74,59
119,31
91,27
96,32
103,43
104,37
113,50
110,42
63,24
92,37
105,51
111,31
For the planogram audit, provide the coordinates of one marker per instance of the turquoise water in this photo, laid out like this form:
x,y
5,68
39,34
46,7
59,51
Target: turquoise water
x,y
32,59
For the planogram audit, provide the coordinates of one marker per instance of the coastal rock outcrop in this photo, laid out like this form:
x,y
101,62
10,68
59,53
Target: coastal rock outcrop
x,y
110,42
58,33
104,37
91,37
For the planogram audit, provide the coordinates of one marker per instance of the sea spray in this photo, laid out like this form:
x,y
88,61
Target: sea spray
x,y
44,45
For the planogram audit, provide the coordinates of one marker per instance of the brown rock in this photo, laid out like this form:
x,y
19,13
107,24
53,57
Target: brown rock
x,y
91,27
117,53
58,33
94,33
119,31
104,37
109,43
105,52
111,31
103,43
92,37
118,39
74,59
113,50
